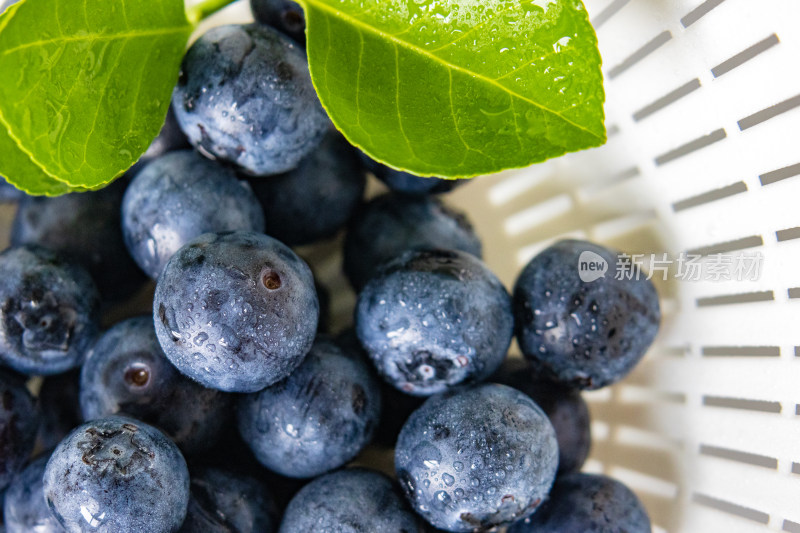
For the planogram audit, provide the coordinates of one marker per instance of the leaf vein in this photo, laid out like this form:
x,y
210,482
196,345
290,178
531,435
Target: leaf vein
x,y
358,78
526,65
397,101
516,123
59,112
58,19
453,114
124,9
85,15
139,86
92,38
102,92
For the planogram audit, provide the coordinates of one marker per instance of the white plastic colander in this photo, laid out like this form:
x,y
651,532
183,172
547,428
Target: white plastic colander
x,y
703,157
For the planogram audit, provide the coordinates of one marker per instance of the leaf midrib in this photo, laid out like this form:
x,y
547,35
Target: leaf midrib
x,y
421,51
100,37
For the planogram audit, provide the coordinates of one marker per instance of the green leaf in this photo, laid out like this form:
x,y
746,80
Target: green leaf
x,y
86,86
458,88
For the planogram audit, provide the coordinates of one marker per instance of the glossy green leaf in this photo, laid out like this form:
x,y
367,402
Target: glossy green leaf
x,y
458,88
86,86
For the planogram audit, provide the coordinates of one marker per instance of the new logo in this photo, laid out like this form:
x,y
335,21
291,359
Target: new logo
x,y
591,266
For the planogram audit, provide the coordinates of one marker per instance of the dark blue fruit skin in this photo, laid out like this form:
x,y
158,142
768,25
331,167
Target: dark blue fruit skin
x,y
583,335
48,311
393,223
565,408
224,502
315,200
236,311
59,403
315,420
127,372
85,228
245,95
434,319
477,457
588,503
283,15
406,183
354,500
117,474
19,420
25,509
178,197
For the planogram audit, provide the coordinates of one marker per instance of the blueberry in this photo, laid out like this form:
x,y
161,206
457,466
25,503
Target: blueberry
x,y
25,509
117,474
126,372
59,401
49,311
85,229
587,503
236,311
178,197
354,500
19,420
245,95
584,334
316,199
406,183
433,319
392,224
283,15
224,502
565,408
315,420
476,458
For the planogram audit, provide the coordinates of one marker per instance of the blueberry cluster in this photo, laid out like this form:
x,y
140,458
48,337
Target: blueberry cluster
x,y
212,397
